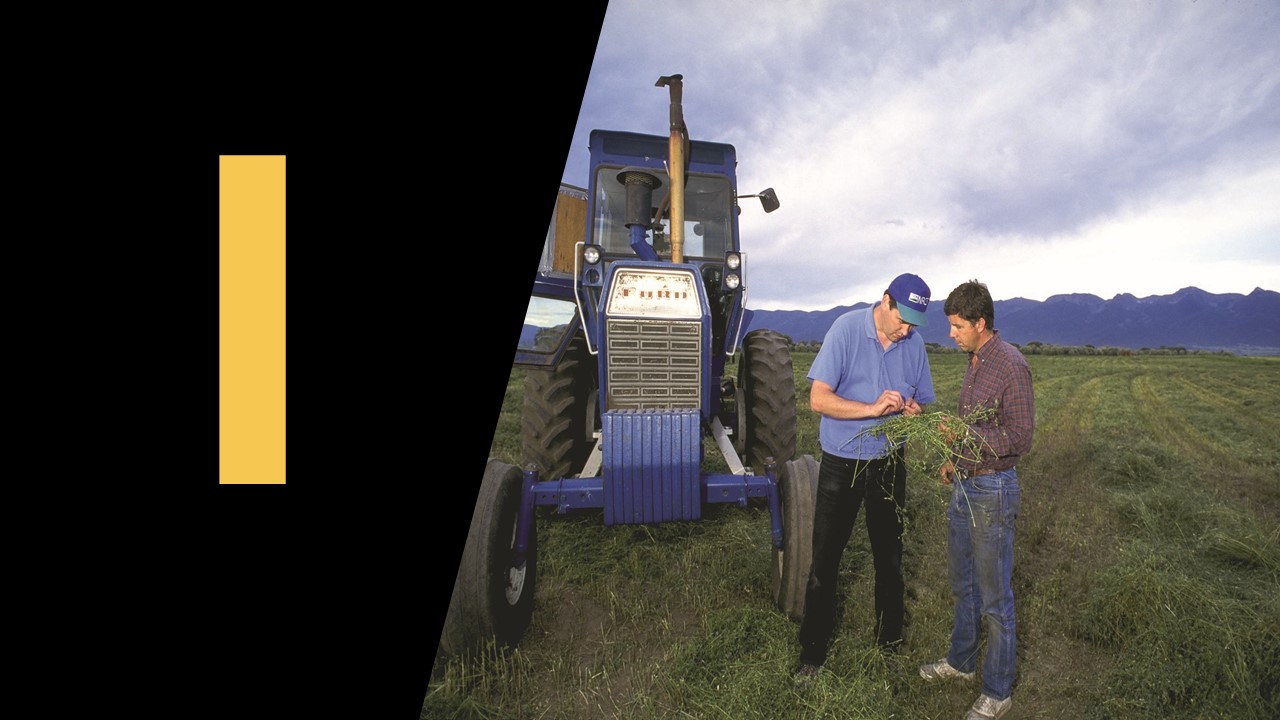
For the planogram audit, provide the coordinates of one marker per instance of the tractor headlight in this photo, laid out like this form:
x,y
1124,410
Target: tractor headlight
x,y
735,274
591,254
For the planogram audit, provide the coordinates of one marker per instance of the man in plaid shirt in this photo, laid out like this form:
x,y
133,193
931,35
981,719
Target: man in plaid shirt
x,y
985,498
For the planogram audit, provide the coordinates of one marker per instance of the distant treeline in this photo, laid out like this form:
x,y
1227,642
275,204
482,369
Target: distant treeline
x,y
1035,347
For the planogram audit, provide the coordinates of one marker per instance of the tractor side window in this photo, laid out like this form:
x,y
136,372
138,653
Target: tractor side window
x,y
547,324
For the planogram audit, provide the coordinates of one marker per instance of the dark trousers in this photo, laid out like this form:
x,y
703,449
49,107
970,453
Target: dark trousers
x,y
844,485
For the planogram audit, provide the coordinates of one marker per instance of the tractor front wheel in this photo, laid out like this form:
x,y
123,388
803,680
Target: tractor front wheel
x,y
798,490
492,597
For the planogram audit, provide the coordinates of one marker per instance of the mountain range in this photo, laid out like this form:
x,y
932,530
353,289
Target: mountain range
x,y
1189,318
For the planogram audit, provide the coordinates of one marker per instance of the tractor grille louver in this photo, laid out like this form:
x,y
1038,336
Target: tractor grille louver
x,y
654,365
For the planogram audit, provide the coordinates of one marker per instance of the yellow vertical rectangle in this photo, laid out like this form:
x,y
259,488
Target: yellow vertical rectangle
x,y
251,319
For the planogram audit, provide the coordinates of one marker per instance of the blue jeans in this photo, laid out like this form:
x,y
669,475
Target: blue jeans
x,y
982,514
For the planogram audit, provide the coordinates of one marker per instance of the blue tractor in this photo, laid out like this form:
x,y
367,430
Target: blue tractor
x,y
637,307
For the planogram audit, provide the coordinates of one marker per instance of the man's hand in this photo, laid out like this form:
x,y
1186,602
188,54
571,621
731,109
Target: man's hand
x,y
953,431
911,407
890,401
946,472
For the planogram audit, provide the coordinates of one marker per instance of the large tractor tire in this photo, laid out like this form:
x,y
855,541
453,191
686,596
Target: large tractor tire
x,y
798,487
492,600
769,393
560,411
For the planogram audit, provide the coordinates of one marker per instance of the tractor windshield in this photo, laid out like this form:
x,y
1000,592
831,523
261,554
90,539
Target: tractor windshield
x,y
707,206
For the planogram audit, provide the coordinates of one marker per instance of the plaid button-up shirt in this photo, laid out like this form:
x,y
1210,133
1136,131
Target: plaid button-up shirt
x,y
999,379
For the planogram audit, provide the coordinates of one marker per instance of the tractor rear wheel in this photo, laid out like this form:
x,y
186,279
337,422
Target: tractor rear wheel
x,y
769,393
798,490
492,599
559,416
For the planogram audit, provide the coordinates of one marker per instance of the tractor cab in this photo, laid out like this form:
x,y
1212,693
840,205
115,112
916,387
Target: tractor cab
x,y
626,215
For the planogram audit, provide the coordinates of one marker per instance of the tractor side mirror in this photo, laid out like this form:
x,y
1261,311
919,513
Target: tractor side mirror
x,y
769,199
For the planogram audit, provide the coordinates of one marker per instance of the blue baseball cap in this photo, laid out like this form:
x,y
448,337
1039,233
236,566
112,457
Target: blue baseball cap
x,y
912,296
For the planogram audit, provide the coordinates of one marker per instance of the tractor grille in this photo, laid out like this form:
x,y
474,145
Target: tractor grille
x,y
654,365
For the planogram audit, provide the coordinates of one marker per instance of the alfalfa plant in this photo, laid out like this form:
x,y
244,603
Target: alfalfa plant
x,y
934,438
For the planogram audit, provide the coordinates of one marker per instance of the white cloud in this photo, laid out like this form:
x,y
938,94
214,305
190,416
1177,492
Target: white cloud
x,y
1087,147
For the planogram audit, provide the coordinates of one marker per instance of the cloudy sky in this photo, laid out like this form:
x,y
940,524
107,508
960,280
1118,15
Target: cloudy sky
x,y
1041,147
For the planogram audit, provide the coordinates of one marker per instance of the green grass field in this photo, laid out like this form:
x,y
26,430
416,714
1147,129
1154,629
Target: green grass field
x,y
1146,577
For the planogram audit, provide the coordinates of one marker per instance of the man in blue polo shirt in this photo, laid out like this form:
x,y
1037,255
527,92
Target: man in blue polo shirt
x,y
872,365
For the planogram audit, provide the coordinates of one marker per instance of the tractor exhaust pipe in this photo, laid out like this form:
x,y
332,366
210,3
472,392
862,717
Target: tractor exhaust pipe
x,y
677,163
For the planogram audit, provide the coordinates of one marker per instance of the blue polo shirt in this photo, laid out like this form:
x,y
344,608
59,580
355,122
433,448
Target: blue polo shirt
x,y
857,367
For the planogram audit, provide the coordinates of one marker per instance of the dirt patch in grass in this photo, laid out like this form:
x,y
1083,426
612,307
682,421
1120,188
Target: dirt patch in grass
x,y
579,619
613,662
